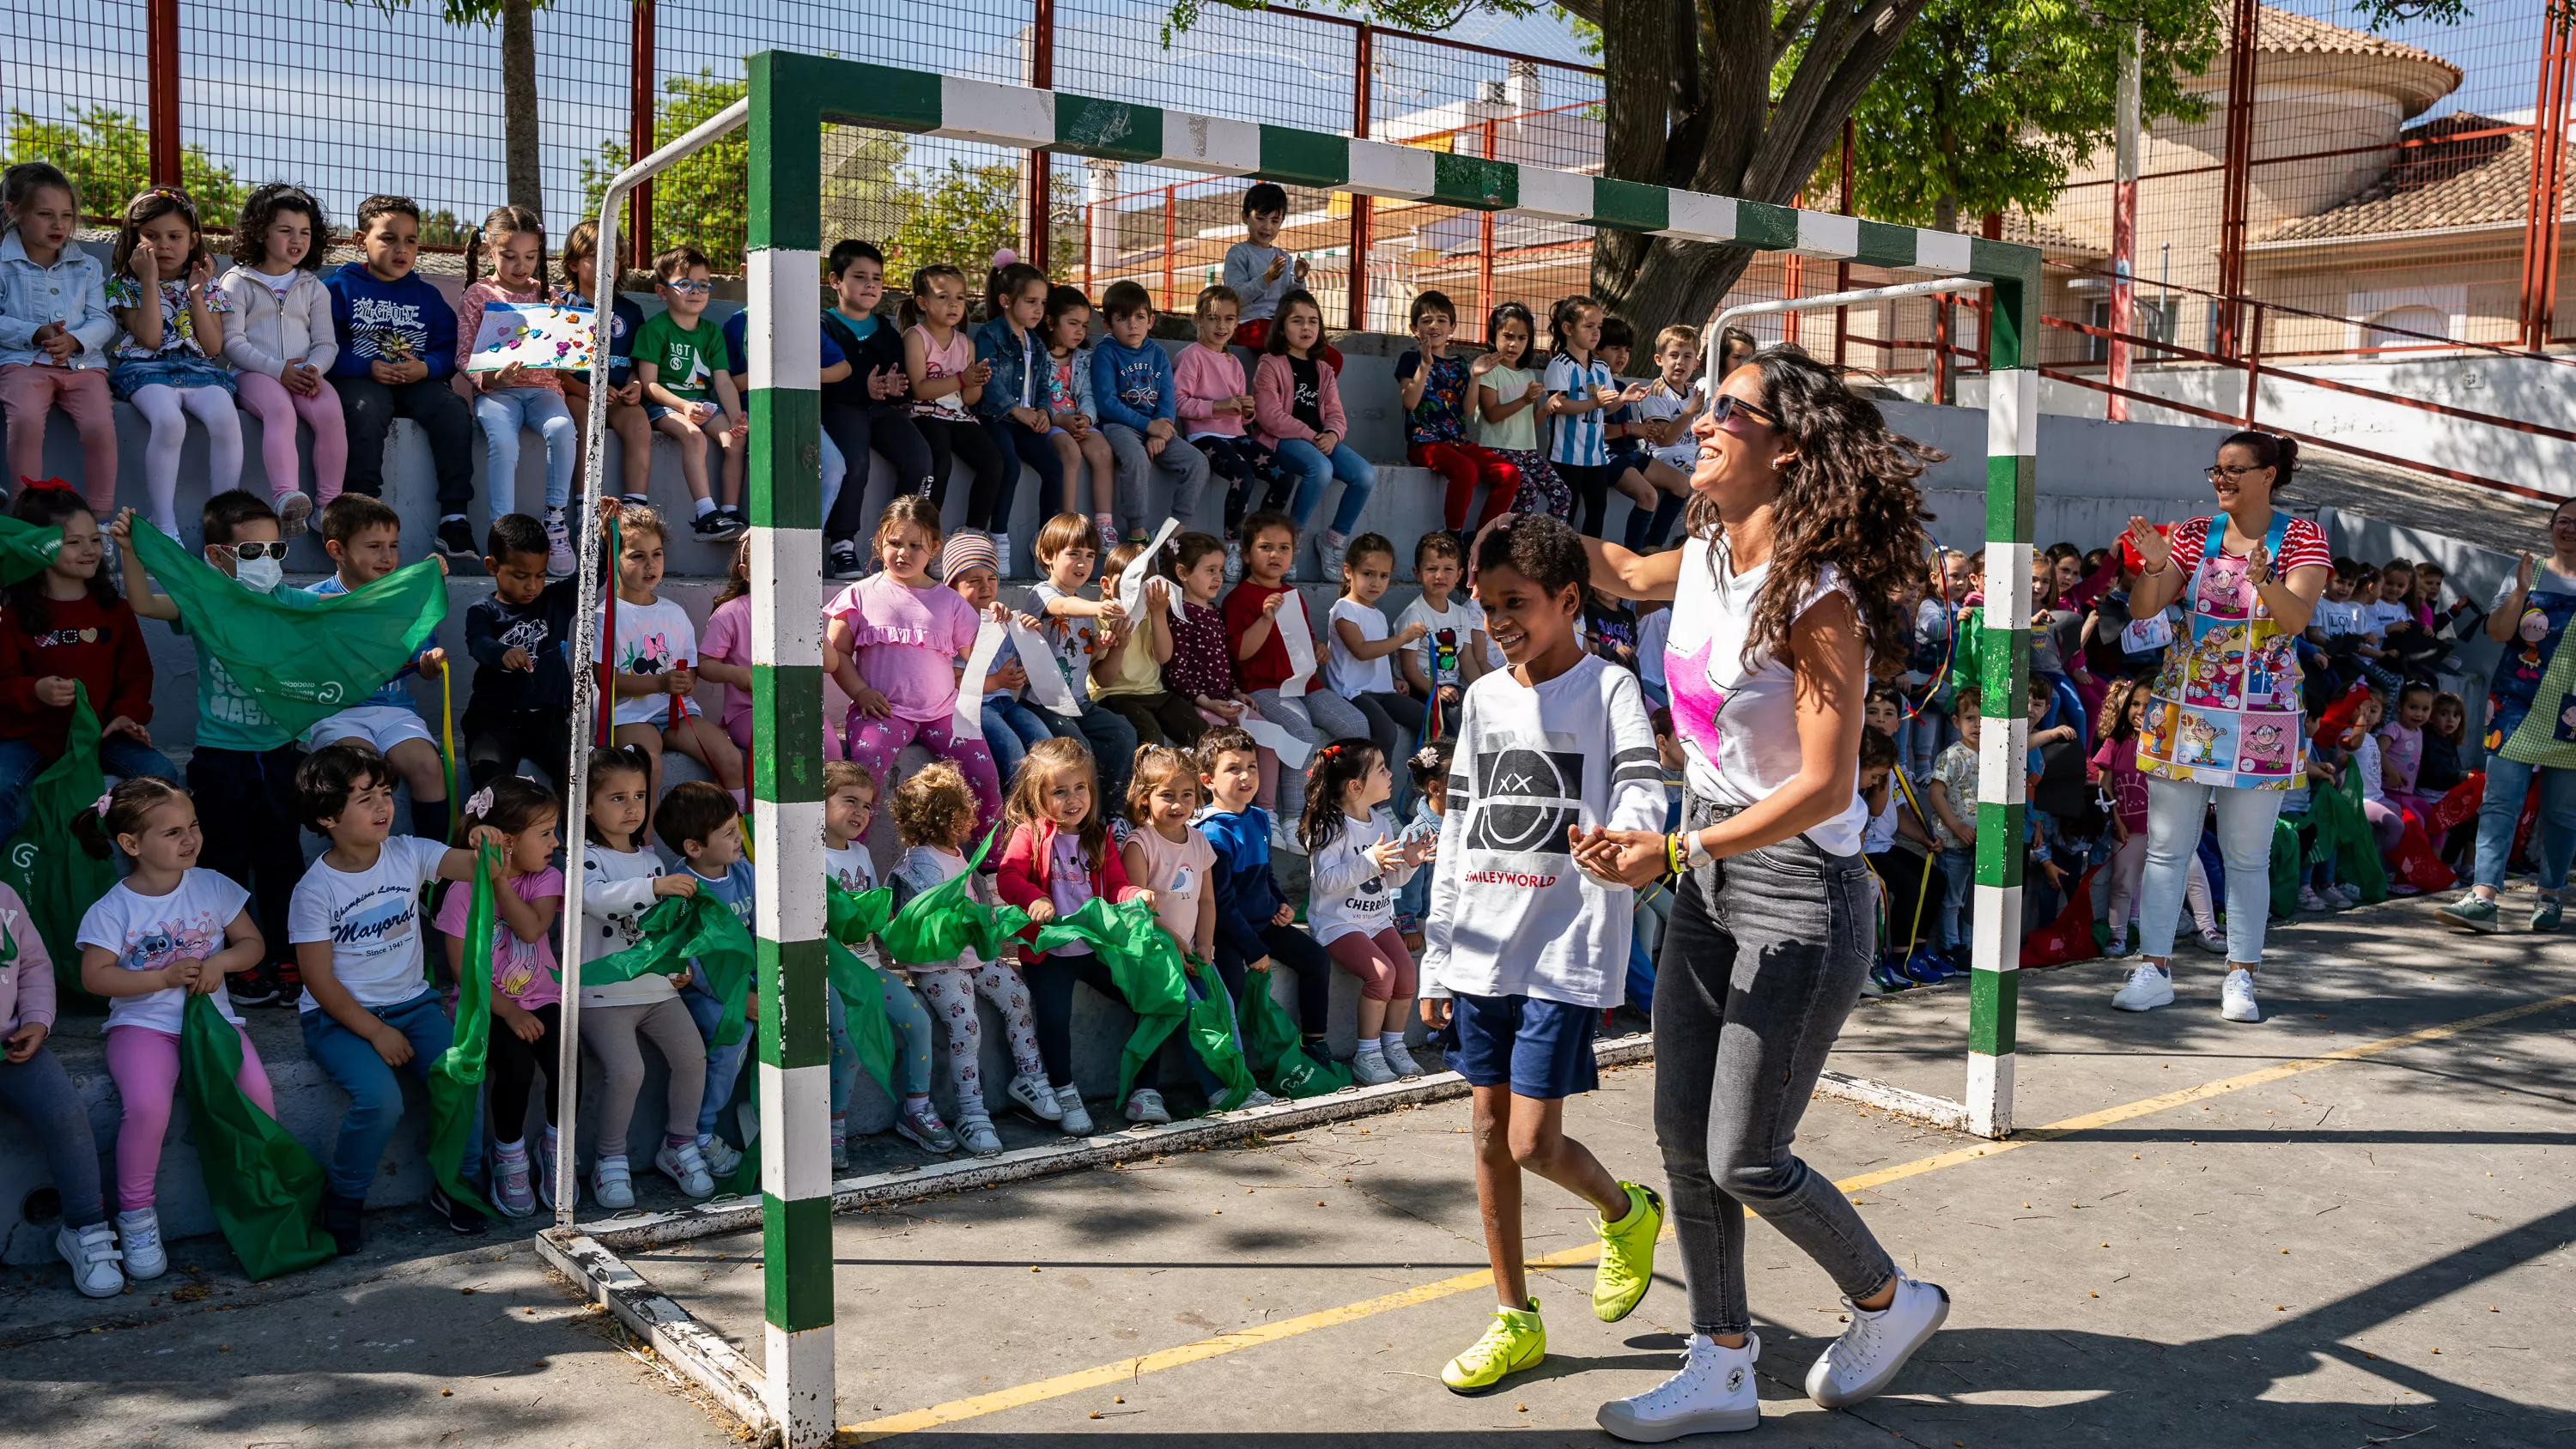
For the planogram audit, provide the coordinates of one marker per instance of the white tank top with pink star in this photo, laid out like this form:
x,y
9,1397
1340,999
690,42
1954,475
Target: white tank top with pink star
x,y
1739,724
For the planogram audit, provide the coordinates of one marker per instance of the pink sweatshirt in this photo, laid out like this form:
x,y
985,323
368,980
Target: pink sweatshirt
x,y
469,321
27,981
1272,386
1202,377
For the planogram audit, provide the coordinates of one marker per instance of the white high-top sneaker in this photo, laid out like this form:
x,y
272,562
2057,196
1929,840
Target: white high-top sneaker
x,y
1713,1393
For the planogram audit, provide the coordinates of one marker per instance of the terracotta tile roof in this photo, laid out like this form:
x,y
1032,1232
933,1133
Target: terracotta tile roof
x,y
2283,32
2054,240
2476,182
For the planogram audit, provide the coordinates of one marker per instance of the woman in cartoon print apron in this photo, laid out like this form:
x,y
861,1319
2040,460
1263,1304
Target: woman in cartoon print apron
x,y
2223,723
2531,730
1805,525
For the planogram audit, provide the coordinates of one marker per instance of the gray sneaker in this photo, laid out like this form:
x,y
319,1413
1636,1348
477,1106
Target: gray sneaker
x,y
2471,912
2544,914
922,1128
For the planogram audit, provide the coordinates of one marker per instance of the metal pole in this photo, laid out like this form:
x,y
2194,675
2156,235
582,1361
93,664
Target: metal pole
x,y
2543,200
1485,245
1170,241
2253,362
1842,269
639,135
1038,171
1718,324
161,98
2244,38
567,1080
1364,56
2124,219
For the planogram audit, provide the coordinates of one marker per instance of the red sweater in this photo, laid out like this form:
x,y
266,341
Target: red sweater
x,y
101,645
1024,875
1268,668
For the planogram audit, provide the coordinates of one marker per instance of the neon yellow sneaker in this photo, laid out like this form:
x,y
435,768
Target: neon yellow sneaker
x,y
1627,1255
1516,1341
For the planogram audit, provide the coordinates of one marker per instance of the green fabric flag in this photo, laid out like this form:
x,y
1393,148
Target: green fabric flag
x,y
2287,865
2345,833
306,657
675,929
1144,964
850,917
1209,1026
1275,1047
265,1188
455,1080
945,922
57,879
25,549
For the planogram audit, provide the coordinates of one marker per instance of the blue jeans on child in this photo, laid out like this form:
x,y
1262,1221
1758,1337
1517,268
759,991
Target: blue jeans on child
x,y
1011,730
911,1023
1958,884
2500,808
1314,471
375,1095
502,412
119,757
835,468
724,1063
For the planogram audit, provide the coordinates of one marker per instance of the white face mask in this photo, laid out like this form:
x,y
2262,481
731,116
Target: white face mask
x,y
259,575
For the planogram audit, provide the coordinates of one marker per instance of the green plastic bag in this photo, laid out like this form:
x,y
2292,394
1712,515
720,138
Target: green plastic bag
x,y
675,929
265,1188
850,918
455,1079
25,549
305,657
57,879
2345,833
1276,1049
2286,866
1209,1026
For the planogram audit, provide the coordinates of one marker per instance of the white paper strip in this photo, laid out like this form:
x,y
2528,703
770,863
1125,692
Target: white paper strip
x,y
968,721
1291,750
1290,621
1046,681
1131,584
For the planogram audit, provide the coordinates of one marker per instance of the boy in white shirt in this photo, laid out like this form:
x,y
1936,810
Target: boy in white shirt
x,y
368,1007
1522,948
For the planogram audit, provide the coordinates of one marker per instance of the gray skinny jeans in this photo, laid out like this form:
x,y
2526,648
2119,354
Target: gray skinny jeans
x,y
40,1091
1762,960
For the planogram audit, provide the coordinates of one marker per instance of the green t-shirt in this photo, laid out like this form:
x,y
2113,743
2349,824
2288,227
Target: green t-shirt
x,y
229,717
684,360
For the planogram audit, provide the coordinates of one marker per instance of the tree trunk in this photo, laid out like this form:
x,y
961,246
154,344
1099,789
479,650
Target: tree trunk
x,y
523,172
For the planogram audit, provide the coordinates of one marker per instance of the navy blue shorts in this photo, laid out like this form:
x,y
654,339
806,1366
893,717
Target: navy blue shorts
x,y
1541,1049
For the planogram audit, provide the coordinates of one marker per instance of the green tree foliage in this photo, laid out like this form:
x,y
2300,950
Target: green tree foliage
x,y
108,156
970,212
1988,104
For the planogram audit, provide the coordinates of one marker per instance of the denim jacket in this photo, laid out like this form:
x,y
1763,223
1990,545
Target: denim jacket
x,y
1015,355
74,289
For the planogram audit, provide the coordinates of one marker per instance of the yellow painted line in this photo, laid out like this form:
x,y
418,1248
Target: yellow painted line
x,y
958,1410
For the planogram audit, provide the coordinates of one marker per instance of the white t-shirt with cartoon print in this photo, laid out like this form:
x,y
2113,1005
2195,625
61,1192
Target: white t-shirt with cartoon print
x,y
147,933
653,638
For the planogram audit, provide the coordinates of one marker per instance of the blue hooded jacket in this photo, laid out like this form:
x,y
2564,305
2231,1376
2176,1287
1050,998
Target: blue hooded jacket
x,y
1247,894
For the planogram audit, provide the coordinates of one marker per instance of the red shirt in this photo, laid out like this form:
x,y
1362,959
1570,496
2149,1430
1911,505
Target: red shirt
x,y
2303,545
1268,668
101,645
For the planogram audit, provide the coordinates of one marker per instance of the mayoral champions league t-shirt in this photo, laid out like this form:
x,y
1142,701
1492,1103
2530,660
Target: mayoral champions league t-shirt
x,y
372,920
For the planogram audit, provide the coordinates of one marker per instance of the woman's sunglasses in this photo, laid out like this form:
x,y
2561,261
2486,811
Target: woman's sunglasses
x,y
1728,405
255,549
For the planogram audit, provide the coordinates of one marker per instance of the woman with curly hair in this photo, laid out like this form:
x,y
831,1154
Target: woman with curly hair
x,y
1805,526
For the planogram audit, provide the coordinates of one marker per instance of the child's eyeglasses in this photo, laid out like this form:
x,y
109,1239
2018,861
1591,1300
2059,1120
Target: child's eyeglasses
x,y
690,286
249,551
1728,405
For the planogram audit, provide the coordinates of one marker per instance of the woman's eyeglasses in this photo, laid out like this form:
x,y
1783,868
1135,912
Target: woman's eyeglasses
x,y
2216,471
1729,405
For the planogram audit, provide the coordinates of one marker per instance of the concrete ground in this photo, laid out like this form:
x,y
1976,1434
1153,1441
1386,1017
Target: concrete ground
x,y
2332,1255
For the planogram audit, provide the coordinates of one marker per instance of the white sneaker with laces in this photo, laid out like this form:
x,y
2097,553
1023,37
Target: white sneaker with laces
x,y
1071,1115
1369,1069
2236,997
611,1185
2309,900
2149,987
2214,941
1712,1393
684,1166
1866,1359
1399,1060
1145,1105
92,1253
1330,554
719,1155
560,562
1035,1097
138,1234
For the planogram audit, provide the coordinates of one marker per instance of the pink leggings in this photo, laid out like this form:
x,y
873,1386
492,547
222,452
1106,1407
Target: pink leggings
x,y
277,409
144,1064
28,391
875,742
739,731
2386,824
1384,967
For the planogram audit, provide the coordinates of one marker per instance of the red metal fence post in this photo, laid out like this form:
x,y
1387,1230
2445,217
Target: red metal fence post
x,y
639,132
1037,174
161,96
2253,362
1842,270
1170,240
1364,63
1485,246
2243,42
2547,193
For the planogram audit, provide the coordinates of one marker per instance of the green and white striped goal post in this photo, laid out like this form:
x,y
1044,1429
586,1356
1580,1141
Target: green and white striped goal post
x,y
792,97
